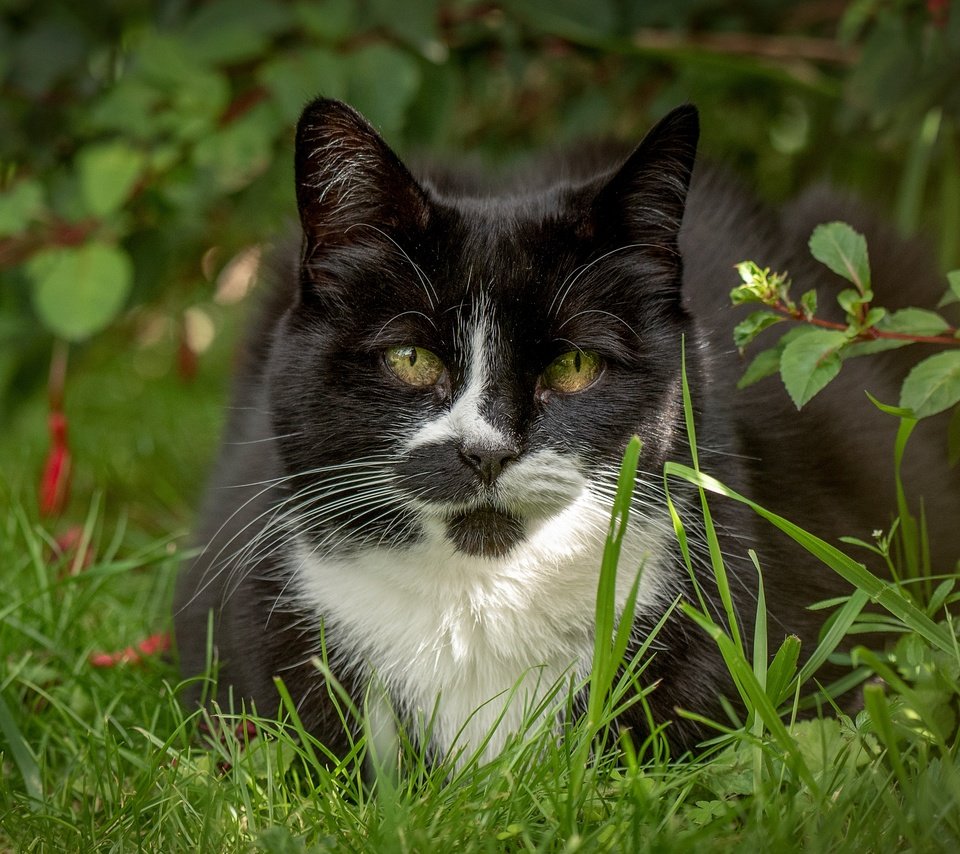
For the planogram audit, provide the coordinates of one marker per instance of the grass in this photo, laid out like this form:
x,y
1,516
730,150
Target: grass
x,y
107,759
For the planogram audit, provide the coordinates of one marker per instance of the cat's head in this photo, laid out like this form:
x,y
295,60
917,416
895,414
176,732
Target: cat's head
x,y
469,367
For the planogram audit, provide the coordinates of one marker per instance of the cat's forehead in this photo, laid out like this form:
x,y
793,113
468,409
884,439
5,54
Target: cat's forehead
x,y
510,250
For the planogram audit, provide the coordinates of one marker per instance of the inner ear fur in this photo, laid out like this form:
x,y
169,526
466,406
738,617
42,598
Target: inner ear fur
x,y
349,180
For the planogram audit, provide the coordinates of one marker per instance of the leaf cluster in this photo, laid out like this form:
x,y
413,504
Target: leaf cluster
x,y
811,354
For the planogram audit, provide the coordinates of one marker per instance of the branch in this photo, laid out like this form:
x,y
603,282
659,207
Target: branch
x,y
751,44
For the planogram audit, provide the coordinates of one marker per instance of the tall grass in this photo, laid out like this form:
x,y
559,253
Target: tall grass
x,y
107,759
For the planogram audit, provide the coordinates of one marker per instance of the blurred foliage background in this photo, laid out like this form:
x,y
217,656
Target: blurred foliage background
x,y
146,166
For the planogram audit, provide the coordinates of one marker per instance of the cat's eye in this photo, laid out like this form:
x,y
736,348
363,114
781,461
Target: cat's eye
x,y
415,366
572,371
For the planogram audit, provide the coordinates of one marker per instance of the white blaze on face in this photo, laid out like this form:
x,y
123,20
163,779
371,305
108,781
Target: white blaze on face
x,y
474,642
464,423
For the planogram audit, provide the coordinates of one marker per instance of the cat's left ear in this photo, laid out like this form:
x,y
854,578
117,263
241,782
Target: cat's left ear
x,y
350,184
644,201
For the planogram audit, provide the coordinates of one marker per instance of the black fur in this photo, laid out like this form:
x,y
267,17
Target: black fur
x,y
314,378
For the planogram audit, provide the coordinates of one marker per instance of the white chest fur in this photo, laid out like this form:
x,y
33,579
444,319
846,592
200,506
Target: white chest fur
x,y
473,641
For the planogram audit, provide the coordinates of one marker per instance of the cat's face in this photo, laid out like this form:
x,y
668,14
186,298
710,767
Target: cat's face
x,y
464,369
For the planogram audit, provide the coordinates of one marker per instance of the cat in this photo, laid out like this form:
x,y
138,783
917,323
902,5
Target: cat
x,y
431,411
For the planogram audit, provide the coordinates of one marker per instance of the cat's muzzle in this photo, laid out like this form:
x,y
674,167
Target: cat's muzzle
x,y
485,532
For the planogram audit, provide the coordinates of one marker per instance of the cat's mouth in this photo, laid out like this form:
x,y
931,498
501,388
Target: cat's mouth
x,y
485,532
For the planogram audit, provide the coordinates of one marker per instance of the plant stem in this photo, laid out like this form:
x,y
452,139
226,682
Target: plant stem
x,y
871,334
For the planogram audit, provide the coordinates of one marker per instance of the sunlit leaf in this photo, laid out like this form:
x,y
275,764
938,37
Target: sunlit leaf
x,y
933,385
19,204
107,174
844,251
809,362
77,291
914,321
752,325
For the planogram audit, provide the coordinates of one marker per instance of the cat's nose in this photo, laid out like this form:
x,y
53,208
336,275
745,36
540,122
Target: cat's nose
x,y
488,462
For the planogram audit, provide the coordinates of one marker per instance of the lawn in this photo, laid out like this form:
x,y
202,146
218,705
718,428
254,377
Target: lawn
x,y
98,753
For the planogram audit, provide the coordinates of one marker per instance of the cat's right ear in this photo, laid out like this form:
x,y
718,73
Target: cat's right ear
x,y
350,185
644,201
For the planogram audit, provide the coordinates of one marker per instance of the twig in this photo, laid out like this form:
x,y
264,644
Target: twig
x,y
751,44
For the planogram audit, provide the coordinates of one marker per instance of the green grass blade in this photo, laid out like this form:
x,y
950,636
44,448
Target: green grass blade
x,y
912,697
753,694
604,662
875,702
782,669
760,628
883,593
605,642
22,755
837,631
713,543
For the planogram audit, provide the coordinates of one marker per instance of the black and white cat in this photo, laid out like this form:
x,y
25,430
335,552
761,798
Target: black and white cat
x,y
431,413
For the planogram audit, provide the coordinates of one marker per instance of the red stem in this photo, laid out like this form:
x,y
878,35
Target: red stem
x,y
871,334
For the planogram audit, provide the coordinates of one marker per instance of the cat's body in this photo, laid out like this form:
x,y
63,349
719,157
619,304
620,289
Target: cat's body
x,y
431,412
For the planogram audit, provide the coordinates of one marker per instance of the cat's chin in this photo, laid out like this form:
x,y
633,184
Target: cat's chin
x,y
486,532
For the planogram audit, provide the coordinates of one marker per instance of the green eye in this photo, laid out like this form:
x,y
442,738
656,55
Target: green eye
x,y
414,365
572,371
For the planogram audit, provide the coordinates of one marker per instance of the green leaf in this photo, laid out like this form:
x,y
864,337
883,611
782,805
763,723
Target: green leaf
x,y
232,31
765,364
879,345
19,205
844,251
292,79
752,325
239,152
850,300
808,302
416,26
129,107
383,82
78,291
759,284
809,362
331,20
571,19
933,385
107,174
873,317
914,321
264,757
952,294
953,279
895,411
